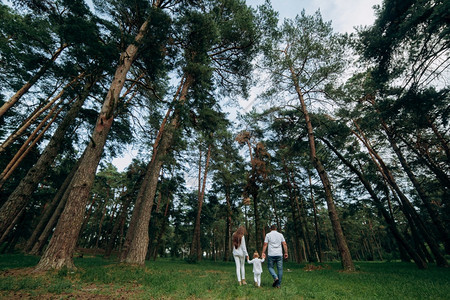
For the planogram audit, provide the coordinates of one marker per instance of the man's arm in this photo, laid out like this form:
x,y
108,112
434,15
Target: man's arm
x,y
285,249
263,255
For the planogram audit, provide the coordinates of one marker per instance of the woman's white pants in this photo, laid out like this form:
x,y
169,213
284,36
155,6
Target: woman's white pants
x,y
240,267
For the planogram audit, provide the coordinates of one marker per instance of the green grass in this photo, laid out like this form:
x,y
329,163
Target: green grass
x,y
175,279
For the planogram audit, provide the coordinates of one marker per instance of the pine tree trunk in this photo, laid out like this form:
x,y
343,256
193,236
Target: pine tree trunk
x,y
431,208
442,141
21,195
16,97
421,264
195,244
43,238
425,158
38,112
100,225
406,204
49,211
62,245
143,185
196,248
316,222
303,220
295,218
29,144
258,233
274,207
304,229
163,226
227,244
119,220
346,259
135,249
9,230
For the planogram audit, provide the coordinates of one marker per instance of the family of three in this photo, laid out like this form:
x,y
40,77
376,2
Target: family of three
x,y
274,243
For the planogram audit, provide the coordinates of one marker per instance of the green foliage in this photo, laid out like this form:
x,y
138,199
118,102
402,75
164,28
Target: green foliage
x,y
24,41
404,32
307,47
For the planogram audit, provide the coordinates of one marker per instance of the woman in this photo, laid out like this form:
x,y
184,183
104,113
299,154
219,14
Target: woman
x,y
240,254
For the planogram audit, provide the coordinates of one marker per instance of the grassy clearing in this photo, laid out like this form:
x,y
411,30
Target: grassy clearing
x,y
174,279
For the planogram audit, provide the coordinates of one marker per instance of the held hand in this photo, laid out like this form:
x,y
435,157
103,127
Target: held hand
x,y
285,255
263,255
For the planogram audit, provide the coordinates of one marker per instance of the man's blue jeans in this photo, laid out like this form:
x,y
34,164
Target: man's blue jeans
x,y
278,260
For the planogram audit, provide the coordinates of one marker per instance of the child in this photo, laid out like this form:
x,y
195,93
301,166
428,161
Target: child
x,y
257,268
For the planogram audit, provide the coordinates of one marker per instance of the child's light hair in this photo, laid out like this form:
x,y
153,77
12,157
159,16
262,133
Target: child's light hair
x,y
256,254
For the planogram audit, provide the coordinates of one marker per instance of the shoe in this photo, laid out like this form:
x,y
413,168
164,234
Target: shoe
x,y
240,282
256,284
275,282
243,282
278,287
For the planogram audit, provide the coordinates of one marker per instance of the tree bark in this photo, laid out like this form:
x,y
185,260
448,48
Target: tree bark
x,y
163,225
147,175
425,158
409,209
43,238
49,211
120,219
443,232
16,97
295,218
316,222
303,220
421,264
196,248
346,258
37,113
135,249
227,244
21,195
62,245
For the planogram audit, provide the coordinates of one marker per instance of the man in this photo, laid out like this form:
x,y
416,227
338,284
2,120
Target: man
x,y
273,241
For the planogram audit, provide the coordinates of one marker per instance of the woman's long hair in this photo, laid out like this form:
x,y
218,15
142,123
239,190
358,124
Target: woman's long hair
x,y
237,236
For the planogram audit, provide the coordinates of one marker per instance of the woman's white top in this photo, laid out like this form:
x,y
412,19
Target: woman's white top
x,y
241,250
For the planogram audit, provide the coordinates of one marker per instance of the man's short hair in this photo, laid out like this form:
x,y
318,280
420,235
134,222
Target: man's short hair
x,y
273,227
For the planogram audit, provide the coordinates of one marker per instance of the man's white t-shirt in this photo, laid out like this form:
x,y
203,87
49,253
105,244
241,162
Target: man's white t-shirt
x,y
274,240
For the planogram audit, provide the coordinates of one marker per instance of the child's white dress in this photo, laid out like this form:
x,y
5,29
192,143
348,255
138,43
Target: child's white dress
x,y
257,269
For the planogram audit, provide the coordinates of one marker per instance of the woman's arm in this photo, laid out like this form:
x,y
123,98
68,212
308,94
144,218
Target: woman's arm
x,y
244,248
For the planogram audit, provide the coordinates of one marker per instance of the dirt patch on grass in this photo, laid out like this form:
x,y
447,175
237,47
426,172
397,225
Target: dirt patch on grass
x,y
187,271
91,291
311,267
216,272
18,272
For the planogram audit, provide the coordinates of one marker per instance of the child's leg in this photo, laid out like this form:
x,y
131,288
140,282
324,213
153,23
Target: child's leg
x,y
258,279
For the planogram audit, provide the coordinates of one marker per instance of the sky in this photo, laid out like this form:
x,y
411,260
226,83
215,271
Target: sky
x,y
343,14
